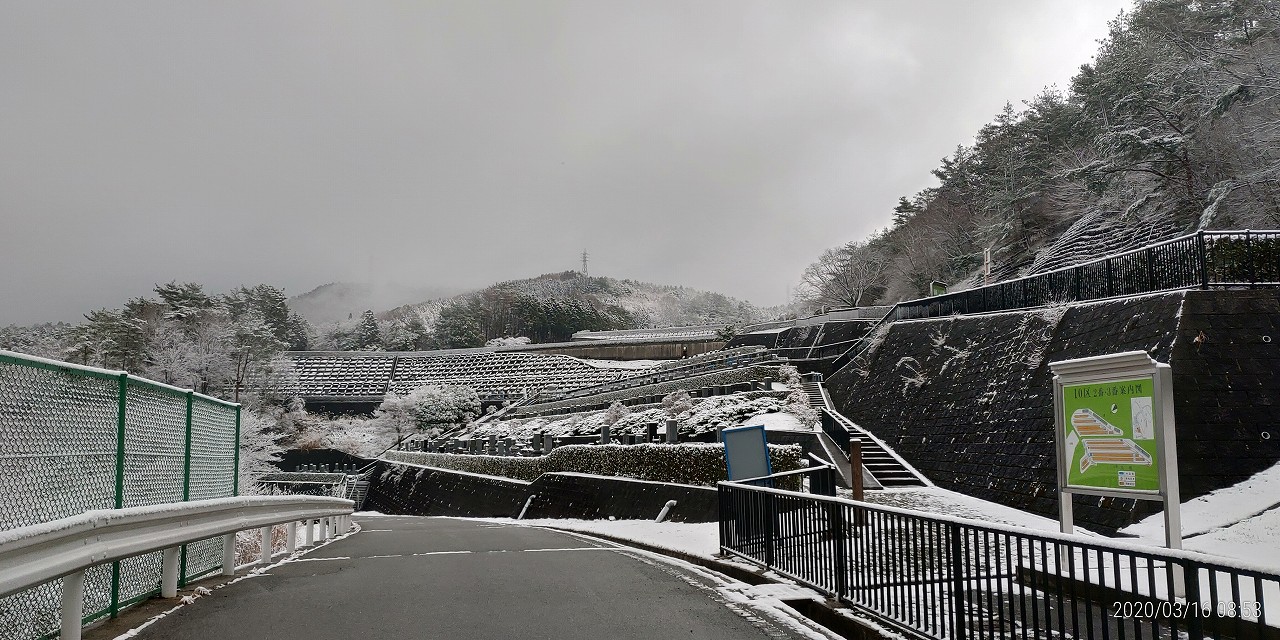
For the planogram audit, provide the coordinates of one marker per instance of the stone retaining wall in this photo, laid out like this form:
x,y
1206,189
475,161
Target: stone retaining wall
x,y
968,399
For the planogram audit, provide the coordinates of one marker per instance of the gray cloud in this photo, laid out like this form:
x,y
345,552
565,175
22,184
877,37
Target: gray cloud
x,y
720,145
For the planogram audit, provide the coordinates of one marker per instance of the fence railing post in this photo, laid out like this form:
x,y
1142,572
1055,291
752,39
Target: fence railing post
x,y
1204,260
839,555
769,528
1248,257
121,409
959,615
1192,596
855,469
186,484
235,465
1151,269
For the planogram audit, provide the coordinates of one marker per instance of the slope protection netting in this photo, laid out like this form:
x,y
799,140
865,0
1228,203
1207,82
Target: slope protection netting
x,y
65,427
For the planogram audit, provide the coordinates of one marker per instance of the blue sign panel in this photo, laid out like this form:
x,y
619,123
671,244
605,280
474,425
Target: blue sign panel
x,y
746,452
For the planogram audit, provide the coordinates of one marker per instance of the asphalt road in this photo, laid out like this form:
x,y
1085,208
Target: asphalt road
x,y
409,577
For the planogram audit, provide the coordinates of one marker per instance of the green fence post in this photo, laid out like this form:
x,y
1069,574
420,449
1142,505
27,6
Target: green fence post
x,y
186,485
121,407
235,470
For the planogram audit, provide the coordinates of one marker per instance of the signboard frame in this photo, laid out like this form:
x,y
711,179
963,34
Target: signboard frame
x,y
1116,368
744,436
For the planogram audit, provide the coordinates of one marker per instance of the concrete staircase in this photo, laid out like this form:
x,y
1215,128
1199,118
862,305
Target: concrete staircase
x,y
814,391
357,489
885,467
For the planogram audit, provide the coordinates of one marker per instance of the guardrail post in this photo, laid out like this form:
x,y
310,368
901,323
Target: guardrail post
x,y
291,537
309,539
265,555
72,605
333,527
169,572
324,529
229,554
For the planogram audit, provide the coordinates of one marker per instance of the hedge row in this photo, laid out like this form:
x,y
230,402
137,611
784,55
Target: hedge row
x,y
692,463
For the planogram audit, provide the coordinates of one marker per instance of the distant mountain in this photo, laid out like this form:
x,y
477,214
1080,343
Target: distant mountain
x,y
552,307
340,301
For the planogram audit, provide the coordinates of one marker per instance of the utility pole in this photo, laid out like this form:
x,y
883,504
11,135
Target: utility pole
x,y
584,262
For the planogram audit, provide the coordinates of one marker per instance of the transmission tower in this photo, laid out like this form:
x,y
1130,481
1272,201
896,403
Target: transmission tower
x,y
584,262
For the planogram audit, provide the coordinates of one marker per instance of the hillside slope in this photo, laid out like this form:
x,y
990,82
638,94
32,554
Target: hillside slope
x,y
338,301
552,307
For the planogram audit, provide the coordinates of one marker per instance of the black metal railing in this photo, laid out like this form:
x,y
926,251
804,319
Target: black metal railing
x,y
834,429
1204,259
951,578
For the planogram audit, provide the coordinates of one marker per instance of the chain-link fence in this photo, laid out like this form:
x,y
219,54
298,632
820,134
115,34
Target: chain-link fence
x,y
77,438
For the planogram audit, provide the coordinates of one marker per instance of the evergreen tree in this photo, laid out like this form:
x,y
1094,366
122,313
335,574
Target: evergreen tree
x,y
367,336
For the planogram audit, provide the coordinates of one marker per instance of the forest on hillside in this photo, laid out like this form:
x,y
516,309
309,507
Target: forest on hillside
x,y
1174,127
218,344
548,308
225,343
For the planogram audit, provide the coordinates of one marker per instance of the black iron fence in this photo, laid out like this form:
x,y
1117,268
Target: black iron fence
x,y
1204,259
951,578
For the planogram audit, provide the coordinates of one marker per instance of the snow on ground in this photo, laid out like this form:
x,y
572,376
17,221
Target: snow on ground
x,y
623,364
1240,521
935,500
775,422
697,538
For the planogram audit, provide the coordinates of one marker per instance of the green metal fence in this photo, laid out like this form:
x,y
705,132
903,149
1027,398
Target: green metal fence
x,y
76,438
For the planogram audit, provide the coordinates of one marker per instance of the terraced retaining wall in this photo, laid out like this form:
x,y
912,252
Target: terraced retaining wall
x,y
712,379
968,399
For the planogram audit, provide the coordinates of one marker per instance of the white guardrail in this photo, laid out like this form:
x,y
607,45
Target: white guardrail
x,y
36,554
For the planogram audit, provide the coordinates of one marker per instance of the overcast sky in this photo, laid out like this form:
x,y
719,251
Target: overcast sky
x,y
716,144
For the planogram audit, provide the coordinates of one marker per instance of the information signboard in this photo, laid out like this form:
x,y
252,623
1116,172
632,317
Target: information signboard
x,y
1110,437
746,452
1115,433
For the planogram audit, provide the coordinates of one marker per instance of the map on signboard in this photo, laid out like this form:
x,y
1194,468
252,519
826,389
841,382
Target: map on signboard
x,y
1110,439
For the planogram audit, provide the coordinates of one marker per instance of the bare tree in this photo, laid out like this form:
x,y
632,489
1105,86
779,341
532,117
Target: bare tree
x,y
845,276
